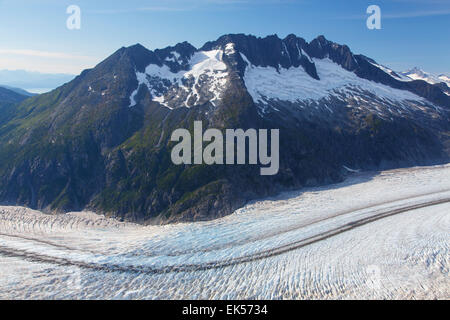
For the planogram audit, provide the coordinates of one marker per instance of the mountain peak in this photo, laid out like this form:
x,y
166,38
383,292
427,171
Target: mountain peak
x,y
237,52
418,74
136,46
415,70
322,39
290,36
102,141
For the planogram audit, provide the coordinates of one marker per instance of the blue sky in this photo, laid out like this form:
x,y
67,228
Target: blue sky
x,y
34,35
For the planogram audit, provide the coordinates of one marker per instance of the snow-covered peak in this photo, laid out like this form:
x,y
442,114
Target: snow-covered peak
x,y
445,79
418,74
413,74
204,80
182,75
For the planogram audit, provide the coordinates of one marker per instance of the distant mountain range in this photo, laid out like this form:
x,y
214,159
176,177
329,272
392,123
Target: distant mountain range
x,y
102,140
9,95
33,80
18,90
417,74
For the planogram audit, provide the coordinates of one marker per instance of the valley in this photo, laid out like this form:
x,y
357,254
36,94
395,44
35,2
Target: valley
x,y
377,235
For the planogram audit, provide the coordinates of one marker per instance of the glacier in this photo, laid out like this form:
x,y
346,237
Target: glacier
x,y
305,244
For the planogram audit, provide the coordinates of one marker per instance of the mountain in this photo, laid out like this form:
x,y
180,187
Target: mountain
x,y
11,96
8,101
444,78
102,140
33,80
18,90
441,81
417,74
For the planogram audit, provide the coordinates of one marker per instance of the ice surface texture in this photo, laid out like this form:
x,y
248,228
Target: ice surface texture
x,y
406,255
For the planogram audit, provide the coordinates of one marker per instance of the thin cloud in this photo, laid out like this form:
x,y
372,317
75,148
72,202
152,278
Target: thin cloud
x,y
402,15
143,9
42,54
416,14
186,5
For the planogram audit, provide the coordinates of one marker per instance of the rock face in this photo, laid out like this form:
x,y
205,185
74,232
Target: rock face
x,y
102,141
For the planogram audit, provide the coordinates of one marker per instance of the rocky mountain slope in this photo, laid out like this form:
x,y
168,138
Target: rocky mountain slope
x,y
10,96
102,141
8,99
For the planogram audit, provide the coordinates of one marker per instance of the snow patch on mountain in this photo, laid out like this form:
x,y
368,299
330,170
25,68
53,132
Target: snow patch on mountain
x,y
229,49
295,85
206,68
306,55
174,57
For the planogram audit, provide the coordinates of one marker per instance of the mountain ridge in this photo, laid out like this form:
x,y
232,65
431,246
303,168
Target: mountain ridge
x,y
317,48
102,141
18,90
9,97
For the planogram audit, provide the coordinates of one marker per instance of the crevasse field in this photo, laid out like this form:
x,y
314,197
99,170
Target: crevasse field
x,y
376,235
